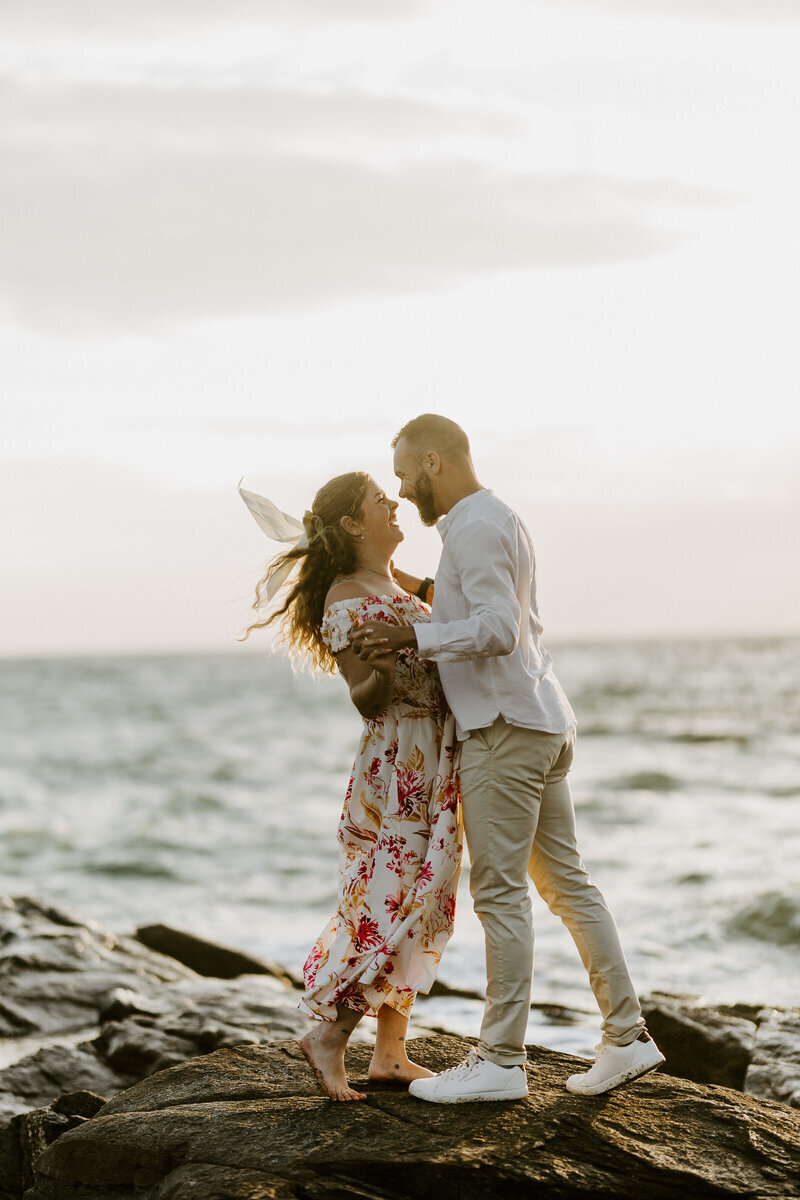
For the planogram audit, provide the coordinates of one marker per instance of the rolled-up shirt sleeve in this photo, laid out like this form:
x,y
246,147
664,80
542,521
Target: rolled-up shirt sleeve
x,y
488,569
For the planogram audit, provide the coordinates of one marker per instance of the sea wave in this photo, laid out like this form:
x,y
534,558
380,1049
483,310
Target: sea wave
x,y
771,917
205,791
646,781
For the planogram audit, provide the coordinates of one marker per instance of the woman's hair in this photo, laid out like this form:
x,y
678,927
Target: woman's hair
x,y
330,552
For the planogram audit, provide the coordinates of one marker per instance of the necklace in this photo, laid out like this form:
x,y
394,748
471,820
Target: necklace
x,y
372,571
365,571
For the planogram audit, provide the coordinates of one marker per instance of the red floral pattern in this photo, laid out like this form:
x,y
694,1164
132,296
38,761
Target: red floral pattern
x,y
400,838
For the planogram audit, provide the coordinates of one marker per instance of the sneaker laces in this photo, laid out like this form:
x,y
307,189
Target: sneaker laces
x,y
463,1068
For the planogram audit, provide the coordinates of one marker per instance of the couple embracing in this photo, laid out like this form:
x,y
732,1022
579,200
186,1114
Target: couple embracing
x,y
463,719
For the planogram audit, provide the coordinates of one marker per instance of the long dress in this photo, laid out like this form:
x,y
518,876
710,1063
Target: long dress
x,y
400,837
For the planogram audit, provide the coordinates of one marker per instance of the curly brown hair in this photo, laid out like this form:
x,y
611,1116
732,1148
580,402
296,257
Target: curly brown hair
x,y
330,552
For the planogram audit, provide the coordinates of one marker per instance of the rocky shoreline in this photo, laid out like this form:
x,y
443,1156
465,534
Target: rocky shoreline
x,y
161,1066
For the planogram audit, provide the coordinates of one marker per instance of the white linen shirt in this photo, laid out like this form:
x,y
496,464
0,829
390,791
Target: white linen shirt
x,y
485,633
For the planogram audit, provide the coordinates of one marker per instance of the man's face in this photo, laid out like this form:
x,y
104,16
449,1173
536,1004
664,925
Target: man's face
x,y
415,483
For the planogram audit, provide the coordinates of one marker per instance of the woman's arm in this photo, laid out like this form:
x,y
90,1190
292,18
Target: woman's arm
x,y
370,680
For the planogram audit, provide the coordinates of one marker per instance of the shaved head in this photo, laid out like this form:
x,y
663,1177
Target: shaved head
x,y
433,432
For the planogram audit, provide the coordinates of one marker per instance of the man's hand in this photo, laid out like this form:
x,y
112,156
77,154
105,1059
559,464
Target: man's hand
x,y
369,642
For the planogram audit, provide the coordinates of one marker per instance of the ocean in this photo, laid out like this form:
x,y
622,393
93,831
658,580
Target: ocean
x,y
204,791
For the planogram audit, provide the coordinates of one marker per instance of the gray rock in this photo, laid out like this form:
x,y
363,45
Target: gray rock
x,y
35,1081
37,1130
774,1071
249,1123
753,1049
208,958
136,1010
78,1104
702,1044
137,1047
56,972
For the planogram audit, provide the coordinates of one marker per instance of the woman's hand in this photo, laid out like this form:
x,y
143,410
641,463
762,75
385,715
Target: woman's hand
x,y
374,653
383,663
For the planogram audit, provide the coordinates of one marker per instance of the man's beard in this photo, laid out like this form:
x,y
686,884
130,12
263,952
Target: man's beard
x,y
423,498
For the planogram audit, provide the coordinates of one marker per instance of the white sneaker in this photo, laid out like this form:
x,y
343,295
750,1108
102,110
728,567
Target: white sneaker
x,y
614,1065
473,1079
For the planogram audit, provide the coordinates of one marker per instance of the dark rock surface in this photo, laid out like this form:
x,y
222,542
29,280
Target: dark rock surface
x,y
97,1013
702,1044
108,1011
753,1049
248,1123
207,958
56,971
774,1070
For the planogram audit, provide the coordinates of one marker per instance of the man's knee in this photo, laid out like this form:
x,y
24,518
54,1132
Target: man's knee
x,y
564,888
501,901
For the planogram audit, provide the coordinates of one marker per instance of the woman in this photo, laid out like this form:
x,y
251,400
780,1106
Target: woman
x,y
400,832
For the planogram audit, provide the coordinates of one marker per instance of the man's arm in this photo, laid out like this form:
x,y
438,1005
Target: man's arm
x,y
413,584
487,558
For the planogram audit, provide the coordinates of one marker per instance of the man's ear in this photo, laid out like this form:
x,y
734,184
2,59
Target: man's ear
x,y
432,462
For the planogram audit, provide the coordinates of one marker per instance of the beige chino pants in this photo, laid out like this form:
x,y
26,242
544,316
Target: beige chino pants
x,y
519,820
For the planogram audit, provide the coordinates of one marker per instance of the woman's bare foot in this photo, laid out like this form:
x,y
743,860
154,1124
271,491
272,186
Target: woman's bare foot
x,y
390,1063
396,1070
324,1048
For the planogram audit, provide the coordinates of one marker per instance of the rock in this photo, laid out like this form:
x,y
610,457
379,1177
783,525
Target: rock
x,y
57,972
744,1046
96,1013
24,1139
208,958
37,1130
774,1071
78,1104
210,1182
10,1162
199,1017
249,1124
440,988
35,1081
123,1002
701,1044
138,1047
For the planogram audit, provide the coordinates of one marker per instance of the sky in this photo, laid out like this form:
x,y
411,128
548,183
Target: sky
x,y
253,239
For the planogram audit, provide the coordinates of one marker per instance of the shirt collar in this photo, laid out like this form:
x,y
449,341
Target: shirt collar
x,y
444,523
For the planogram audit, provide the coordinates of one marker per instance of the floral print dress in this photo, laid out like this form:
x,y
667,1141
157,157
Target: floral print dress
x,y
400,837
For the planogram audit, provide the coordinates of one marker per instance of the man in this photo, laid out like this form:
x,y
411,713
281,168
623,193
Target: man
x,y
518,734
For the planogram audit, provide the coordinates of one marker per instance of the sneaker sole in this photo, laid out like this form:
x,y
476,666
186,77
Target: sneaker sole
x,y
597,1089
518,1095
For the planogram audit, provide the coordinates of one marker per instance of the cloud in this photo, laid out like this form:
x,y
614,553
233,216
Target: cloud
x,y
54,17
205,118
727,10
126,213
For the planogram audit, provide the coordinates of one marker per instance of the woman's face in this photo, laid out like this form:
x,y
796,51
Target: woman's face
x,y
377,521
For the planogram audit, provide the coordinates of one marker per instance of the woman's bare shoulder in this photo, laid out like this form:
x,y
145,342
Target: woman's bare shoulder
x,y
342,590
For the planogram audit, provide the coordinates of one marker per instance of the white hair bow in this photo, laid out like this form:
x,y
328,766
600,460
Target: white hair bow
x,y
279,527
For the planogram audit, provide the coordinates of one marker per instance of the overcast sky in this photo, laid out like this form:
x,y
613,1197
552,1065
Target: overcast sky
x,y
243,238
